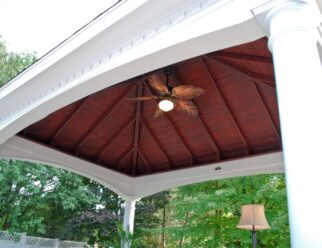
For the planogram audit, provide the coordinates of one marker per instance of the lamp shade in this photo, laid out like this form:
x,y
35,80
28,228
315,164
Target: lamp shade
x,y
253,218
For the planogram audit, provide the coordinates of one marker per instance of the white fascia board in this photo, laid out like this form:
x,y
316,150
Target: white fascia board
x,y
151,35
139,187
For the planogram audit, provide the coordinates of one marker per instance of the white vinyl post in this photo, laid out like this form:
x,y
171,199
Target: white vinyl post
x,y
56,243
292,28
128,219
23,240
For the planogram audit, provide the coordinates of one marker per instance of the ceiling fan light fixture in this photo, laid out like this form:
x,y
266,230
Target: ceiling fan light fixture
x,y
166,105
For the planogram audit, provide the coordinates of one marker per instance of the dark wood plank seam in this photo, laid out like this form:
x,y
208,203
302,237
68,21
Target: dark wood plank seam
x,y
102,117
145,160
209,137
68,120
144,124
123,157
224,100
113,139
268,114
247,74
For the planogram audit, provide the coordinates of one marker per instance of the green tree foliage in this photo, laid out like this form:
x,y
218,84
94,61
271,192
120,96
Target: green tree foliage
x,y
206,214
50,202
151,220
46,201
11,64
99,223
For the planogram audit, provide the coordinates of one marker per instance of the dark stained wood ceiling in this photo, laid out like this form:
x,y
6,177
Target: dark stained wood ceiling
x,y
238,117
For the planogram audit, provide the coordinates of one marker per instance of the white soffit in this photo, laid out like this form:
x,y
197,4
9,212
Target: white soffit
x,y
138,187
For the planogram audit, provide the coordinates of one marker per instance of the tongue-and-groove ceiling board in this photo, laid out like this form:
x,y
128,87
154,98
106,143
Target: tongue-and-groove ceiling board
x,y
238,117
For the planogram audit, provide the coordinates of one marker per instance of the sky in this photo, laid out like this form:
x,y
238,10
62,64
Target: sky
x,y
39,25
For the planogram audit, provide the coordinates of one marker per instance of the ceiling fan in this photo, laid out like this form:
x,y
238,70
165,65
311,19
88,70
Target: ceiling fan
x,y
169,97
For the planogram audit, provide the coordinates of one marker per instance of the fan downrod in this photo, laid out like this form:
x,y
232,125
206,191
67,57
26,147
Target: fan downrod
x,y
168,71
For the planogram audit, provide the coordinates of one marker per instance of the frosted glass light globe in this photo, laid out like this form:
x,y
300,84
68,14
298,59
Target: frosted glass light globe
x,y
166,105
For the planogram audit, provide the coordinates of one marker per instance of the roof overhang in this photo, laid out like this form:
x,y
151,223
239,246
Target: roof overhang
x,y
131,39
123,43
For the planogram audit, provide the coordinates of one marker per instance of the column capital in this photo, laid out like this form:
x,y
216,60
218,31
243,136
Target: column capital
x,y
279,17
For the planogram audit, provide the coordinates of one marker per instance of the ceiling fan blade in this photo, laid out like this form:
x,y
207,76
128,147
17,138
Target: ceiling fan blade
x,y
187,92
158,113
141,98
187,107
156,83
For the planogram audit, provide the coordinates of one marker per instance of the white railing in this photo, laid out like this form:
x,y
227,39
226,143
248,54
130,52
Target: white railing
x,y
21,240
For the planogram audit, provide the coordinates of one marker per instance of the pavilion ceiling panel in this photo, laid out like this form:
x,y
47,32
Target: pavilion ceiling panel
x,y
125,164
268,96
108,125
152,150
169,139
142,165
216,113
196,141
97,108
45,129
238,117
118,149
248,105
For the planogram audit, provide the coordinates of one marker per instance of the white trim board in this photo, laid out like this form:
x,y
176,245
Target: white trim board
x,y
138,187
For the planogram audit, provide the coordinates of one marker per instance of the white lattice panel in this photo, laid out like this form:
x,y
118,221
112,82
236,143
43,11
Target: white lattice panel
x,y
71,244
34,242
22,241
14,237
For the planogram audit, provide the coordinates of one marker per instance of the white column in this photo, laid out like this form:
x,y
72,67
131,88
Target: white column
x,y
293,41
128,219
129,214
